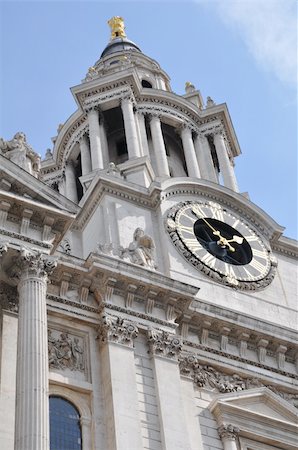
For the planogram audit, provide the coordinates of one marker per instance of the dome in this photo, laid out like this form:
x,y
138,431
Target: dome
x,y
119,44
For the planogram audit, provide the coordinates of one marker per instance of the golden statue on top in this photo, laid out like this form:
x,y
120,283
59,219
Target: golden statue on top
x,y
117,27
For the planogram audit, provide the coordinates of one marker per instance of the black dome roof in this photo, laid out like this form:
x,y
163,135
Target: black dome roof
x,y
119,44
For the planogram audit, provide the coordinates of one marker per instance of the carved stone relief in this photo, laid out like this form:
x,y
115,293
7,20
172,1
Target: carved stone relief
x,y
65,351
208,377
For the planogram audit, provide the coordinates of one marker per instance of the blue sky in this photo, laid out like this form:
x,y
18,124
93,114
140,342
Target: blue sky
x,y
242,52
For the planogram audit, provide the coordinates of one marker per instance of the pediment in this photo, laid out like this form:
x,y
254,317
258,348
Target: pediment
x,y
259,414
261,402
19,184
32,212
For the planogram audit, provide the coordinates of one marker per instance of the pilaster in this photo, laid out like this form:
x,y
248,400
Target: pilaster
x,y
165,349
119,383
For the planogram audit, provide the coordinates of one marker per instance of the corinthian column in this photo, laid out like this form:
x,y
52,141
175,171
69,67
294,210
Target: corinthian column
x,y
32,409
130,129
225,164
70,182
159,147
189,153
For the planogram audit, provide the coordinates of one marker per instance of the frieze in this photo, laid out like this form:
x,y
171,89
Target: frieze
x,y
26,239
160,110
162,343
65,351
96,100
115,329
209,377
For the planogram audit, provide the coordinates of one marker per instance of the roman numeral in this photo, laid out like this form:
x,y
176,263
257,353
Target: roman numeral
x,y
249,275
259,253
251,238
217,214
209,260
186,229
192,244
257,265
198,211
235,223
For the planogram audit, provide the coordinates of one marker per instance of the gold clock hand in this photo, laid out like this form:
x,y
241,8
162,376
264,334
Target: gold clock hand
x,y
237,239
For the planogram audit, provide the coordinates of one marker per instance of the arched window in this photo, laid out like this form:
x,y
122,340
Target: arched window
x,y
65,428
146,84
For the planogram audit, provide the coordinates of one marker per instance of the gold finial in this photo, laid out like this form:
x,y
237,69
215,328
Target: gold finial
x,y
117,27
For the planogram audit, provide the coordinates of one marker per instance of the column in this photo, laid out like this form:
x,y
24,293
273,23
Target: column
x,y
143,134
228,434
189,153
133,147
225,164
85,155
203,152
159,147
165,349
70,182
104,142
119,383
32,408
95,142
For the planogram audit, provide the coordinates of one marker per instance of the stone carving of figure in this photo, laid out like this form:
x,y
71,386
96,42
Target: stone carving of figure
x,y
77,352
65,352
20,152
141,250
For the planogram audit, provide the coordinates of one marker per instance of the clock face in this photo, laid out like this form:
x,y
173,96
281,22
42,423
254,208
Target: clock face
x,y
220,244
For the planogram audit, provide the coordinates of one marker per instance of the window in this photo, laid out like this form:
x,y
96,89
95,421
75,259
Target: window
x,y
146,84
65,429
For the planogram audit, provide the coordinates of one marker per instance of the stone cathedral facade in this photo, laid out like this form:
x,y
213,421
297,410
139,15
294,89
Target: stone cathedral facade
x,y
146,303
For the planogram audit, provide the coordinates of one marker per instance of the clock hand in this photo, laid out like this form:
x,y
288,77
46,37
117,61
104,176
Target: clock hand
x,y
237,239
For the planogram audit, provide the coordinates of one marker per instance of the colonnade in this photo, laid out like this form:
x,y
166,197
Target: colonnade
x,y
196,148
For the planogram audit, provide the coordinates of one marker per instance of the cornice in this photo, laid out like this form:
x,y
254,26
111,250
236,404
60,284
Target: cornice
x,y
236,202
286,246
103,184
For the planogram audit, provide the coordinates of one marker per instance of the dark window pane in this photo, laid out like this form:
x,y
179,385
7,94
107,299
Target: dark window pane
x,y
65,429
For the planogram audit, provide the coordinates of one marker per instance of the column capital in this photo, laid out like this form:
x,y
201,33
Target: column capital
x,y
162,343
153,115
118,330
228,432
34,263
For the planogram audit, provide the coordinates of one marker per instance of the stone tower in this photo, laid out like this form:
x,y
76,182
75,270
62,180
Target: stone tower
x,y
146,303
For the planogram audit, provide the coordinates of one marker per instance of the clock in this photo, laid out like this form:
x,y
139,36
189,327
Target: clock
x,y
220,244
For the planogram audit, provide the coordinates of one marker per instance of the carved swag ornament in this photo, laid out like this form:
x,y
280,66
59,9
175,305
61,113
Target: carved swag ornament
x,y
208,377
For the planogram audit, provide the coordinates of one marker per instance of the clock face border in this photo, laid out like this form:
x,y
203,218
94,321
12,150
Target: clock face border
x,y
179,223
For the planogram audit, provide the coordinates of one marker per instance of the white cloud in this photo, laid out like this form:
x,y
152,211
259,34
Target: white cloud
x,y
269,30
